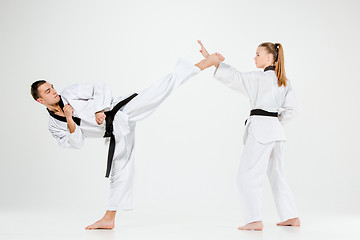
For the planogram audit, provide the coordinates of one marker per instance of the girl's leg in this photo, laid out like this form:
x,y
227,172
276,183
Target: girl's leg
x,y
252,170
282,194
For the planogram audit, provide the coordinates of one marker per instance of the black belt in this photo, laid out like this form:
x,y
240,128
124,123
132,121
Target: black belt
x,y
260,112
110,115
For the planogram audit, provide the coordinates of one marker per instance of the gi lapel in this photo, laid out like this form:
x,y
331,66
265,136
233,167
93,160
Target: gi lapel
x,y
63,119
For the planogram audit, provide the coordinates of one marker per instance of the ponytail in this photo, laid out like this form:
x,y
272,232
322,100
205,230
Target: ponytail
x,y
278,53
279,65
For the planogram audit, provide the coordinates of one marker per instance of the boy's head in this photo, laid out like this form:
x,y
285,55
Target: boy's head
x,y
44,93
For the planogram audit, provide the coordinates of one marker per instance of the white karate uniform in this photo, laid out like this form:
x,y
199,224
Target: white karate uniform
x,y
264,139
89,98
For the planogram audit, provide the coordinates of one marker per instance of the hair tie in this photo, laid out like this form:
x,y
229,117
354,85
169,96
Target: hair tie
x,y
277,51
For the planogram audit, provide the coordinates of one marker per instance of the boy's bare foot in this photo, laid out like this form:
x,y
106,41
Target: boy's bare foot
x,y
211,60
257,226
203,50
294,222
107,222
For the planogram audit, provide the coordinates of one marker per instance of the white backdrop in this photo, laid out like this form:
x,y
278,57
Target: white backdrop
x,y
187,152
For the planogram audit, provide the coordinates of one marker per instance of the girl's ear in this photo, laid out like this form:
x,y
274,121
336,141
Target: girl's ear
x,y
270,57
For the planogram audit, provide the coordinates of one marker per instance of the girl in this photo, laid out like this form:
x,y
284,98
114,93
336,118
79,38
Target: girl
x,y
273,103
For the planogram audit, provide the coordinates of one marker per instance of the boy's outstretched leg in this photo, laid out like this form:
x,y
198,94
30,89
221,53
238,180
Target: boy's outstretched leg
x,y
150,98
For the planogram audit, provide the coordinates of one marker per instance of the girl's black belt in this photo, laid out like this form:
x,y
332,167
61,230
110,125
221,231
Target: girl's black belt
x,y
260,112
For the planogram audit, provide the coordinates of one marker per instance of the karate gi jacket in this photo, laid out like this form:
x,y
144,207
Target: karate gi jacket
x,y
264,93
86,99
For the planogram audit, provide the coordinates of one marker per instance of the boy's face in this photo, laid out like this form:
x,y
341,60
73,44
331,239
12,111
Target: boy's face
x,y
48,95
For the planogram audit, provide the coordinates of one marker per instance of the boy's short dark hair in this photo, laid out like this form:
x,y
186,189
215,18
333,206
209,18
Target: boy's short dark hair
x,y
34,88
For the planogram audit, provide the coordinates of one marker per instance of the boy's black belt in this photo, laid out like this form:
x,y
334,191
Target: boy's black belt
x,y
110,115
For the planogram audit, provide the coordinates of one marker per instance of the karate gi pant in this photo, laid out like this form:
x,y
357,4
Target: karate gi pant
x,y
258,160
147,101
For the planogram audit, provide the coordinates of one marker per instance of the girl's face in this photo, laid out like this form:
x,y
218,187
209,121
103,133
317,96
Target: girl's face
x,y
263,58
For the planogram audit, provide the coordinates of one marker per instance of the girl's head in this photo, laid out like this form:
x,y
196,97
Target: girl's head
x,y
271,54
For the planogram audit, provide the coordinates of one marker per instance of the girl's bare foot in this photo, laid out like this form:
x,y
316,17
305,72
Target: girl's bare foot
x,y
257,226
294,222
107,222
211,60
101,224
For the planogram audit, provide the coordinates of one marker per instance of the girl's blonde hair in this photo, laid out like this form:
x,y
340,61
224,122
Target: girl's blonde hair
x,y
278,53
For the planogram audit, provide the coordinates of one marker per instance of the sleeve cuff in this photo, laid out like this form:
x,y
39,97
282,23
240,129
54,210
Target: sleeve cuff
x,y
223,72
75,138
185,68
